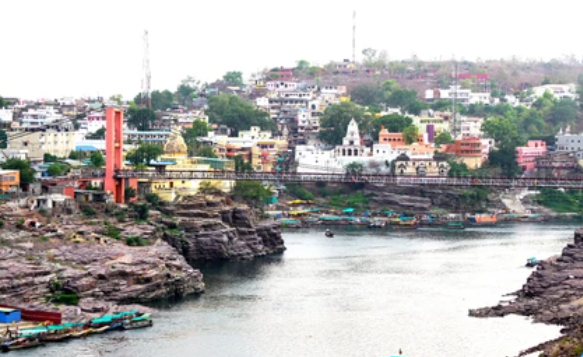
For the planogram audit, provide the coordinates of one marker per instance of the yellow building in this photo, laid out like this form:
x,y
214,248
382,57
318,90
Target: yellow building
x,y
175,158
440,125
9,180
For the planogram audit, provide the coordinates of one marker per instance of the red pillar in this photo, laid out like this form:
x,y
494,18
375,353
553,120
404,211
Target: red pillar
x,y
114,152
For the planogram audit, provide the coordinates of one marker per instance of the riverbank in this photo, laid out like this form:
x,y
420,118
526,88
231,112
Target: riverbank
x,y
553,294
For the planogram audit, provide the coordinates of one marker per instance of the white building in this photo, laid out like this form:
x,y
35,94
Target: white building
x,y
567,142
255,133
40,117
6,115
464,96
95,121
282,86
560,91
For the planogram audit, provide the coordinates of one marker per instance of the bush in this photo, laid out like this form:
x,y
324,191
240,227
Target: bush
x,y
67,299
143,211
43,239
20,223
112,232
136,242
153,199
43,212
298,191
87,210
120,216
129,193
1,224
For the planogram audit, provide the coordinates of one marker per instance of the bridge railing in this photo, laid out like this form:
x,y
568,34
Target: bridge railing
x,y
576,183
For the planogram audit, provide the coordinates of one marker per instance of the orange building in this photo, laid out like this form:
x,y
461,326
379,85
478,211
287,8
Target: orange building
x,y
9,180
467,150
396,139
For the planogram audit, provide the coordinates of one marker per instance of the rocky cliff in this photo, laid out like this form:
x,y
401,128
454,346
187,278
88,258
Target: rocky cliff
x,y
552,294
208,230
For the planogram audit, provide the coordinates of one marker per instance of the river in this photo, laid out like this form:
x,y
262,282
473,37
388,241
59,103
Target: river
x,y
362,293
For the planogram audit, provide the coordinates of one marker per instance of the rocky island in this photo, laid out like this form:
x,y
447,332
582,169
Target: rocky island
x,y
86,265
553,294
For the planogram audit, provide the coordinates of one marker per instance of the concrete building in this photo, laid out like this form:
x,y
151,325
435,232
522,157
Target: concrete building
x,y
147,137
35,118
56,139
559,91
6,117
468,151
526,155
437,166
464,96
9,181
567,142
95,121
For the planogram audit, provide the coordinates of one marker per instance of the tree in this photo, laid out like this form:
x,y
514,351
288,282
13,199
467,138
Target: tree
x,y
3,139
141,118
117,98
199,129
410,134
456,169
503,130
367,94
406,100
144,154
49,158
161,100
442,139
234,77
394,123
153,199
206,151
335,120
128,193
579,90
100,133
252,192
241,165
209,188
302,65
354,169
57,169
370,55
505,159
97,159
237,113
26,172
187,89
3,103
76,155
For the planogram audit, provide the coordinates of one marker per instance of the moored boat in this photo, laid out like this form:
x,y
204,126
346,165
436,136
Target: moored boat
x,y
81,334
20,344
135,324
454,225
479,219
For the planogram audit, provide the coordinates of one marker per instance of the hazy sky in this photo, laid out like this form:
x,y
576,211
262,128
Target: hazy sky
x,y
54,48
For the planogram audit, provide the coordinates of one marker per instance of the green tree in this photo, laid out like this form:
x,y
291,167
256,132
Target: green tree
x,y
187,89
252,192
503,130
335,120
442,139
367,94
144,154
199,129
76,155
117,98
241,165
354,169
564,112
206,151
394,123
161,100
505,159
57,169
49,158
406,100
410,134
3,139
237,114
456,169
579,90
302,65
141,118
129,192
26,172
99,133
234,77
97,159
3,103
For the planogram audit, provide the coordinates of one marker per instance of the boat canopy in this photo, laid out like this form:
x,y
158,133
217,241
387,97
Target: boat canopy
x,y
330,218
348,210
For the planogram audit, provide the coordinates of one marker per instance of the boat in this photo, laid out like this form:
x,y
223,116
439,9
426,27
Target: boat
x,y
115,326
81,334
135,324
408,224
532,262
531,217
377,223
54,337
454,225
20,344
99,330
329,233
482,220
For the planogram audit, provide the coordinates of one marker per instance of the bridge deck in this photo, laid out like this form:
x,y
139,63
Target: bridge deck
x,y
343,178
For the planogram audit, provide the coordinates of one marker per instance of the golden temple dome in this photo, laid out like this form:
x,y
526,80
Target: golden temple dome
x,y
175,144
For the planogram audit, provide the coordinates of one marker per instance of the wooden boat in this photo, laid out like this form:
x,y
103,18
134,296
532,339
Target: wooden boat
x,y
81,334
99,330
132,325
329,234
532,262
531,217
482,220
454,225
377,224
54,337
115,326
20,344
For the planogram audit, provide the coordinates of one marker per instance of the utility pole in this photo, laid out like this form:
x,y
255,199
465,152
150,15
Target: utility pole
x,y
146,75
354,37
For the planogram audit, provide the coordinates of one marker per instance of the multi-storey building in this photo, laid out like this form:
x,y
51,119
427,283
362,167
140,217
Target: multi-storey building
x,y
56,139
36,118
526,155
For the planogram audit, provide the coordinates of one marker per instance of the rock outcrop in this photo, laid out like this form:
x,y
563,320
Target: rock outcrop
x,y
207,231
553,294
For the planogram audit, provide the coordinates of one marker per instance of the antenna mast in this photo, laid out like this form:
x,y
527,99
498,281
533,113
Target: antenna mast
x,y
146,98
454,97
354,37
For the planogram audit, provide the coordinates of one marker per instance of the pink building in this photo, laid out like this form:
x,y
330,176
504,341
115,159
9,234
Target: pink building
x,y
526,155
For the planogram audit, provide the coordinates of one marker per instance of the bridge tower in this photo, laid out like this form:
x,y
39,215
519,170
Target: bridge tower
x,y
114,153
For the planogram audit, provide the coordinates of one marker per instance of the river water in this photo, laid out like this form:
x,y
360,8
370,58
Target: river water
x,y
363,293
